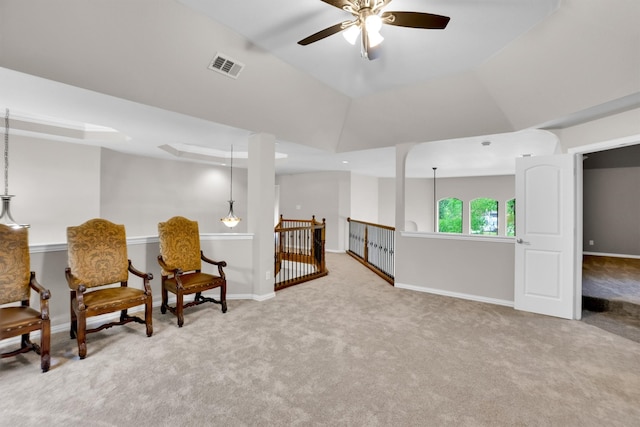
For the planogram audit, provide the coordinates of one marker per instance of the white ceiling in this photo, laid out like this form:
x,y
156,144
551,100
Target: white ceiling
x,y
501,69
476,31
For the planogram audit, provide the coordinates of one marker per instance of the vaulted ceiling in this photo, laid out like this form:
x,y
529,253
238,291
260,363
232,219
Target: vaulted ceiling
x,y
141,67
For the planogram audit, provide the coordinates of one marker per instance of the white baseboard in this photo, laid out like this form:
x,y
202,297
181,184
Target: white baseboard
x,y
460,295
611,255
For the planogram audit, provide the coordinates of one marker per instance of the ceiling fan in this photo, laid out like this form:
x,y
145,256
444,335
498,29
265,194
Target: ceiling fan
x,y
368,22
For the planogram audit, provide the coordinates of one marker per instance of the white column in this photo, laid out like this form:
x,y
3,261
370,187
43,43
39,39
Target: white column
x,y
260,205
402,150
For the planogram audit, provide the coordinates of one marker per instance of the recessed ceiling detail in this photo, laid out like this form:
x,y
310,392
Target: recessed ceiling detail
x,y
207,154
225,65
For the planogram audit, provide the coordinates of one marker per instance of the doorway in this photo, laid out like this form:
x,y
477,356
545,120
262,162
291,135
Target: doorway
x,y
609,264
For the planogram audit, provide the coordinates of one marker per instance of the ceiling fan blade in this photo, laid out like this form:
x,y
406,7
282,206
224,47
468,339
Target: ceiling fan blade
x,y
321,34
415,20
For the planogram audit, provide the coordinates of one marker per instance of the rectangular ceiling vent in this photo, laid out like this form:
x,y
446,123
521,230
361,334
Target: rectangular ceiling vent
x,y
225,65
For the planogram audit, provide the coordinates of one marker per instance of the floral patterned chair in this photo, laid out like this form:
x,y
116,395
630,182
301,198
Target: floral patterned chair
x,y
16,283
180,259
97,255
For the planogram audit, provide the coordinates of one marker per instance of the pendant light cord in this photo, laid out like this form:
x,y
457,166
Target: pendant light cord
x,y
231,177
6,153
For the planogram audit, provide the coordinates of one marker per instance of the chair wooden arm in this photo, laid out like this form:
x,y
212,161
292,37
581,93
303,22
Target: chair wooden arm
x,y
175,271
70,279
146,277
220,264
141,274
45,294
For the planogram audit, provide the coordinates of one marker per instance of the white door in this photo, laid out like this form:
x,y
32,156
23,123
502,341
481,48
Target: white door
x,y
544,266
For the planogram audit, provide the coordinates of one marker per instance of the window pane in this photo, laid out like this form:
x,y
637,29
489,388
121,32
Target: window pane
x,y
484,216
450,215
511,217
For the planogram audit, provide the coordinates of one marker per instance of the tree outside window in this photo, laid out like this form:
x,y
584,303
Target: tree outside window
x,y
450,215
484,216
511,217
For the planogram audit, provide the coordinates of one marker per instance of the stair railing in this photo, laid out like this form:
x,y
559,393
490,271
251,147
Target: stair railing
x,y
299,251
373,245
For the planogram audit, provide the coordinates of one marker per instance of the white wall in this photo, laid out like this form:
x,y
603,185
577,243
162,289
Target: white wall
x,y
325,195
478,268
58,184
364,198
49,262
140,192
55,184
387,204
419,197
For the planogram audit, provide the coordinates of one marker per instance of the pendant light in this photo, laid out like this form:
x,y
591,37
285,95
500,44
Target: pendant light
x,y
5,217
231,220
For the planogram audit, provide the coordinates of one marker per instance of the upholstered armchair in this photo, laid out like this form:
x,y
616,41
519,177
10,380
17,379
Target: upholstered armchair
x,y
16,284
97,255
180,260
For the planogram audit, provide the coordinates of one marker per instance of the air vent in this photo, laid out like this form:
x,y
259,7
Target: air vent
x,y
225,65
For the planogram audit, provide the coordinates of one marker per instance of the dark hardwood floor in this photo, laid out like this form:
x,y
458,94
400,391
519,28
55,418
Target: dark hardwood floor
x,y
611,294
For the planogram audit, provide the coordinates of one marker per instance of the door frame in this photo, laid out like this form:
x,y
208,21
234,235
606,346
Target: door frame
x,y
578,153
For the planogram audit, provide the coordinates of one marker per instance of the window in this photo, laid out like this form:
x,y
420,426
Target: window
x,y
450,215
511,217
484,216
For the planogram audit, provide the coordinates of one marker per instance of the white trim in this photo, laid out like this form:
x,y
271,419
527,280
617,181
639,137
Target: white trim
x,y
140,240
226,236
605,145
454,236
579,205
47,247
455,294
263,297
611,255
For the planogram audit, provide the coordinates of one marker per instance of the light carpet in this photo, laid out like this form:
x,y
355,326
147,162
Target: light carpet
x,y
343,350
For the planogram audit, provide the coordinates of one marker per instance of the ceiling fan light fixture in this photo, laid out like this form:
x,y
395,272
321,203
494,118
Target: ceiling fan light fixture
x,y
373,23
351,34
374,38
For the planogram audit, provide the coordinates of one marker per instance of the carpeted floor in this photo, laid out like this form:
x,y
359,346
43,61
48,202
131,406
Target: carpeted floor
x,y
344,350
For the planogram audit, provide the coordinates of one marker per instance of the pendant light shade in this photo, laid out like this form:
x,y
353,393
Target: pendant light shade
x,y
231,220
5,216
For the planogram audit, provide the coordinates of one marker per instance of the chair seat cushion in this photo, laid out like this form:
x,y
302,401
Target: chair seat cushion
x,y
194,282
16,320
113,298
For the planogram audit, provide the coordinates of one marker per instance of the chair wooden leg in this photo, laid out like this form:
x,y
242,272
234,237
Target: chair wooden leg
x,y
82,335
74,319
147,316
180,309
223,297
165,300
45,345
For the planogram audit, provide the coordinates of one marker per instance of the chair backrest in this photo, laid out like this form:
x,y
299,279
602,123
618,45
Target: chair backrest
x,y
97,253
14,264
180,244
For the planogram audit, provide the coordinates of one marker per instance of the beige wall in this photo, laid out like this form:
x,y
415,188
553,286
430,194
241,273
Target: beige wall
x,y
612,211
